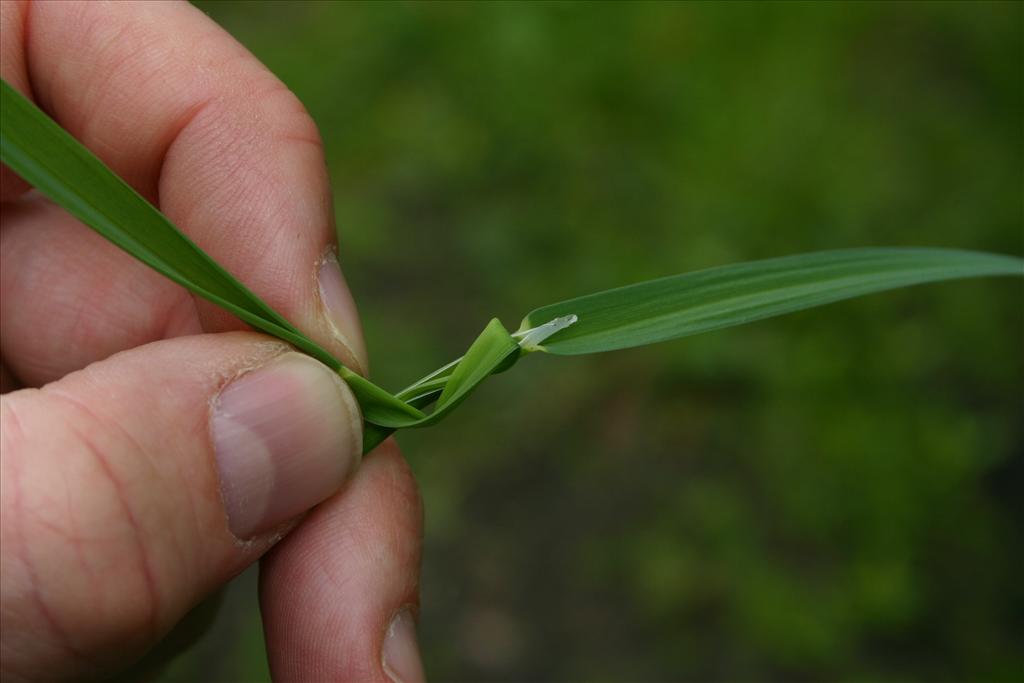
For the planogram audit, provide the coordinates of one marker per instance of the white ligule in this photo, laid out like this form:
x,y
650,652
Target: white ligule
x,y
530,339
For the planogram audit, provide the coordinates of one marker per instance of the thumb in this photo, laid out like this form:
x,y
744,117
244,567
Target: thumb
x,y
133,488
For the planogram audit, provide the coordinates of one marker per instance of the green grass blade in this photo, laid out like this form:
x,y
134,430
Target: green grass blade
x,y
50,159
687,304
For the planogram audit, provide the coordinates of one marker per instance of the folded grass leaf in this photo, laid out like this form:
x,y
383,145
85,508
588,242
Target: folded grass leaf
x,y
46,156
492,351
56,164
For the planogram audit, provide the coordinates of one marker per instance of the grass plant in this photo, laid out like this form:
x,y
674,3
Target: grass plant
x,y
56,164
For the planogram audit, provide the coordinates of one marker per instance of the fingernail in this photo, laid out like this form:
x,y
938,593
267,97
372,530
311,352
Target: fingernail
x,y
286,437
401,653
340,310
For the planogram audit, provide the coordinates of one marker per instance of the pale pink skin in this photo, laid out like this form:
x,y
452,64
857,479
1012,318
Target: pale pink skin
x,y
113,520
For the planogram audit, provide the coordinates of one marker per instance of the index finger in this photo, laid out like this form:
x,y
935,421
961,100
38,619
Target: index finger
x,y
194,122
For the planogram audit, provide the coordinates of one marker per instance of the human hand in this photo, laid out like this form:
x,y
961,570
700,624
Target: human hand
x,y
155,462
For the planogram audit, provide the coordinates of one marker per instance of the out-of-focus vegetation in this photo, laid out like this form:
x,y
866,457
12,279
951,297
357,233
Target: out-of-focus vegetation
x,y
834,495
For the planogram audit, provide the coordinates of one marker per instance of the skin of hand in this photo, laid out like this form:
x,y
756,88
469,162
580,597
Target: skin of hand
x,y
151,448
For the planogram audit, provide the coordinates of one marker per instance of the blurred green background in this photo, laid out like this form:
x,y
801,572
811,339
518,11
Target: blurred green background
x,y
833,495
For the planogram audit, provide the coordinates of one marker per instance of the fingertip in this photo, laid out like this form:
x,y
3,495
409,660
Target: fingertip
x,y
331,590
286,436
400,653
338,309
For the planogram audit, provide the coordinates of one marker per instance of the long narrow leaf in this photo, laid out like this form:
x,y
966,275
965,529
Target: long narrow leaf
x,y
682,305
56,164
50,159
